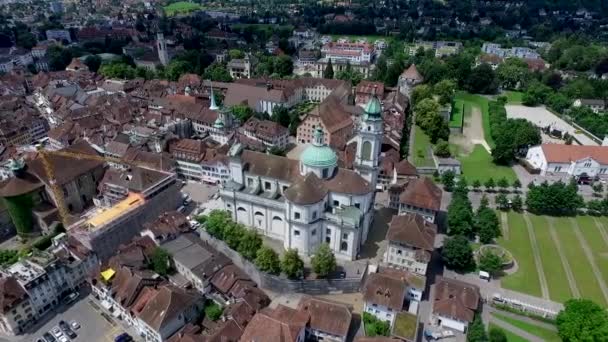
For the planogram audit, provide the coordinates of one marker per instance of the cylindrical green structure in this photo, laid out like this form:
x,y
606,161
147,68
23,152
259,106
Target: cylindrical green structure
x,y
20,210
18,193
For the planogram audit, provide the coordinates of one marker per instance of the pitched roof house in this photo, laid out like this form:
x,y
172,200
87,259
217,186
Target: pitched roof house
x,y
455,303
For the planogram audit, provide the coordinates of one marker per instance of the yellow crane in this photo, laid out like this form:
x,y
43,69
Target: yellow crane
x,y
64,213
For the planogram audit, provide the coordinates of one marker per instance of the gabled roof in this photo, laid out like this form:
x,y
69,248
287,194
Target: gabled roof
x,y
413,230
307,190
456,299
168,303
325,316
385,290
11,293
282,324
422,193
412,73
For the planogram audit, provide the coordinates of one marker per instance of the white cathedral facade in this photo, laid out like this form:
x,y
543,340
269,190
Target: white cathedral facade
x,y
310,201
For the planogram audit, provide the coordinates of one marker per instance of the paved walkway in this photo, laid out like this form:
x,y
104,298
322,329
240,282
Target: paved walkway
x,y
596,270
569,276
472,132
526,319
506,326
544,287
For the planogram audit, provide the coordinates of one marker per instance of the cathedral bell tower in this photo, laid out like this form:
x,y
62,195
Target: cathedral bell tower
x,y
369,140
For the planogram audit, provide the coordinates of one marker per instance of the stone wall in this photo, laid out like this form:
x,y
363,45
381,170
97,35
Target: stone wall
x,y
280,284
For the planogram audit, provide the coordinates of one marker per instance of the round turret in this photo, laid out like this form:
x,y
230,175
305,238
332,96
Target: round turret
x,y
318,157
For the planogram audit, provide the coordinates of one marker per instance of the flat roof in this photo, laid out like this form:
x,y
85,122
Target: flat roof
x,y
132,201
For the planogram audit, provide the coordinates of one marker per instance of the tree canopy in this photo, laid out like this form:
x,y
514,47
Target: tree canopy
x,y
323,261
582,320
457,254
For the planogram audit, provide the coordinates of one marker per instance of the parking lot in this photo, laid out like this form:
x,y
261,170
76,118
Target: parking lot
x,y
93,325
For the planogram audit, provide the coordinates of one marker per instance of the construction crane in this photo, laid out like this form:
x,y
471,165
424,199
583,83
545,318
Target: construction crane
x,y
64,213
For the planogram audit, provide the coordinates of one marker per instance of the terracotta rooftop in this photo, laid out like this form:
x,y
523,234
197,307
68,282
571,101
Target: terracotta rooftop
x,y
281,324
327,317
385,290
455,299
412,73
412,230
558,153
422,193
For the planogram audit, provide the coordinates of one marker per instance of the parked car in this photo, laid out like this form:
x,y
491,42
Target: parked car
x,y
69,333
124,337
62,338
56,332
74,325
48,337
71,297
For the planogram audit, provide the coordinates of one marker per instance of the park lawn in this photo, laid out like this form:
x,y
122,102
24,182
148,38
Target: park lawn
x,y
559,290
546,334
422,148
514,97
181,7
482,103
479,166
511,337
457,114
518,243
595,241
581,269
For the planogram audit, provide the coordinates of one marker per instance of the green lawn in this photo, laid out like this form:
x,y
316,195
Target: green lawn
x,y
514,97
559,290
181,7
405,325
511,337
482,103
457,114
546,334
598,246
422,148
581,269
518,243
479,166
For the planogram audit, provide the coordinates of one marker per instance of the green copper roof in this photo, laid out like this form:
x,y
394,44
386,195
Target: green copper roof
x,y
218,123
319,154
373,108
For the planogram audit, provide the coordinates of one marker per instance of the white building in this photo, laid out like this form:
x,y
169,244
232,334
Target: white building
x,y
569,160
59,35
16,314
411,241
596,105
353,52
311,201
240,68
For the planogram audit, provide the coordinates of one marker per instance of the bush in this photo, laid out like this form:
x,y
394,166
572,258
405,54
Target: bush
x,y
8,257
374,326
212,310
324,261
160,261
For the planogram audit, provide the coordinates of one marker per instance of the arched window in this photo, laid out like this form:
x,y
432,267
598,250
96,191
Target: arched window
x,y
344,246
366,151
241,209
257,213
277,218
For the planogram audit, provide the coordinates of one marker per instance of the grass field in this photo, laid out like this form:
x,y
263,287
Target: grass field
x,y
181,7
514,97
526,278
479,166
482,103
559,290
422,148
457,114
511,337
518,243
546,334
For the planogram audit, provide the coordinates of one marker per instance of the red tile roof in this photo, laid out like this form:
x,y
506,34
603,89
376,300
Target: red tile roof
x,y
557,153
422,193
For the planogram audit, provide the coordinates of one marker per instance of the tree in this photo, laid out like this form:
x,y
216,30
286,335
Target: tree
x,y
249,243
487,224
462,186
535,94
283,65
242,112
512,73
176,68
476,185
26,40
497,335
281,116
460,215
215,223
445,90
582,320
482,79
267,260
212,310
502,202
598,188
323,261
329,71
442,149
490,263
447,179
425,110
517,203
503,184
420,93
489,184
217,72
477,331
291,264
93,62
236,54
516,185
160,261
438,129
232,234
554,199
457,254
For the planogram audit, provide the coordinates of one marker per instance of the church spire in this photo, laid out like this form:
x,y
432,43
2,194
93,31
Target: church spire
x,y
212,106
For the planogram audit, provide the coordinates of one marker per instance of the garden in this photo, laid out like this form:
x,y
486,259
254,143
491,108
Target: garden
x,y
181,7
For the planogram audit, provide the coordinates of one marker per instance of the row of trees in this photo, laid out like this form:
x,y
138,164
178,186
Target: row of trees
x,y
427,101
477,332
503,185
462,220
249,244
554,199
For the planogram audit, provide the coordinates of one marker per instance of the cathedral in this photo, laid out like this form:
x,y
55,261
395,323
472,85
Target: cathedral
x,y
309,201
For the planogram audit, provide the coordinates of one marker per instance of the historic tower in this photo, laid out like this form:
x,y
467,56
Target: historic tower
x,y
161,47
369,141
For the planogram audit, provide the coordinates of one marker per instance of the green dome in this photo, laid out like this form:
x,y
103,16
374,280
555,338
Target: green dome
x,y
218,123
319,154
373,108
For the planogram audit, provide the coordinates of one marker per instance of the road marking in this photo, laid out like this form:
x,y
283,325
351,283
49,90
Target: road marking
x,y
569,276
544,287
600,226
504,224
596,270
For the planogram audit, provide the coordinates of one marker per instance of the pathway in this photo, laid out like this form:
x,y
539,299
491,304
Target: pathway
x,y
546,326
569,276
600,226
410,146
517,331
472,132
544,287
504,223
589,253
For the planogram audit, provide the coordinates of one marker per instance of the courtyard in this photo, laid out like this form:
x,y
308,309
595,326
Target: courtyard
x,y
557,258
